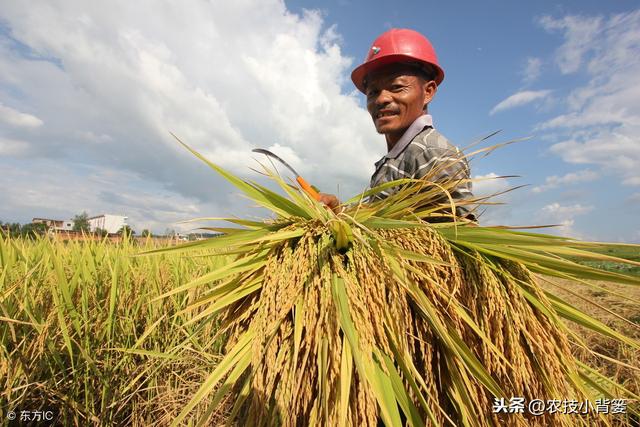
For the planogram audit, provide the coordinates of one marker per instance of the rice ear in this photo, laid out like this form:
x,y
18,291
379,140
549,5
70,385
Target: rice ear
x,y
407,319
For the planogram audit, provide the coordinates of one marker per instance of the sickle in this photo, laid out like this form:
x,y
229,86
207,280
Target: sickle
x,y
304,184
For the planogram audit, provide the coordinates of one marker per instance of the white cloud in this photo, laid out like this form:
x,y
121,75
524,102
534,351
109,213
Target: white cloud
x,y
61,193
532,69
109,81
580,36
564,216
602,123
555,181
15,118
489,184
557,210
633,180
499,209
518,99
13,147
92,137
617,151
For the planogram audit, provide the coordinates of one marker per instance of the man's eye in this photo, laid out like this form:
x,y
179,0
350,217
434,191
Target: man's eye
x,y
396,88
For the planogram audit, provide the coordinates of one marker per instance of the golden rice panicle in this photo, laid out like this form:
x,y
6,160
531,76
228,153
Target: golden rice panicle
x,y
296,375
538,355
491,296
284,277
413,319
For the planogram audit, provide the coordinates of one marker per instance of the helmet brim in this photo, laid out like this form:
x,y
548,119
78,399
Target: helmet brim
x,y
359,73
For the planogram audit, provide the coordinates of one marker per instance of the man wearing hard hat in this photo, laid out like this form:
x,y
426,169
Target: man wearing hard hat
x,y
399,77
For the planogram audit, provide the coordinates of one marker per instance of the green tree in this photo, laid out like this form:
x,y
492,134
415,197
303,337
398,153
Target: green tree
x,y
146,233
81,222
101,232
11,229
126,231
32,230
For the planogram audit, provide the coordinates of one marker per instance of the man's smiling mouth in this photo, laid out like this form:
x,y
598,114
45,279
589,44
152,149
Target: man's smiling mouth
x,y
385,114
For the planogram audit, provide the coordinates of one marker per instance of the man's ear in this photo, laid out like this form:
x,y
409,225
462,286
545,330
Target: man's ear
x,y
430,88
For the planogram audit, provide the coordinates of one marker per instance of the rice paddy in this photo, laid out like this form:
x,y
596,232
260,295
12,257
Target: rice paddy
x,y
82,334
119,364
370,315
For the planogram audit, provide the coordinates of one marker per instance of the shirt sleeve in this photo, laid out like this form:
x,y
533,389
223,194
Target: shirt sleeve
x,y
444,164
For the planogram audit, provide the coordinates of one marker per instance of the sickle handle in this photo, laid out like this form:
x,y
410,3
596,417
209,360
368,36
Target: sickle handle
x,y
308,188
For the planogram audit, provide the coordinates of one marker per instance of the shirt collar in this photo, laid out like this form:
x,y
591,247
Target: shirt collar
x,y
416,127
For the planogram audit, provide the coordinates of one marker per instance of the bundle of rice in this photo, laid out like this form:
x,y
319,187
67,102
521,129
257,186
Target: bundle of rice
x,y
375,315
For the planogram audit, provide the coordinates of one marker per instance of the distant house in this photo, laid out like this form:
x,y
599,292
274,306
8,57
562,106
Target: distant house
x,y
54,224
111,223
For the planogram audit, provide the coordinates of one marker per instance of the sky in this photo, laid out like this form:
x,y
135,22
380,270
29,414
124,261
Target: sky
x,y
90,91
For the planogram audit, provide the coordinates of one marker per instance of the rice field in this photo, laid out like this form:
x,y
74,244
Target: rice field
x,y
83,334
366,316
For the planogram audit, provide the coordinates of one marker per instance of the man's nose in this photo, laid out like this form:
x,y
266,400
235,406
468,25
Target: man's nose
x,y
383,98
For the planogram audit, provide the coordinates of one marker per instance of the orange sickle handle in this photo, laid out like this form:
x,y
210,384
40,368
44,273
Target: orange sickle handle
x,y
308,188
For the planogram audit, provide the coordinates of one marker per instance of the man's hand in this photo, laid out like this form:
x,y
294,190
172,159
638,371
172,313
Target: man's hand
x,y
330,200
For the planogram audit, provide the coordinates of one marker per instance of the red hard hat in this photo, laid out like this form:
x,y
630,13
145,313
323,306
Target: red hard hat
x,y
394,46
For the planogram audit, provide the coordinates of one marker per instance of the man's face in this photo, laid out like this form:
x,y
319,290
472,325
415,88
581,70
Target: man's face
x,y
396,96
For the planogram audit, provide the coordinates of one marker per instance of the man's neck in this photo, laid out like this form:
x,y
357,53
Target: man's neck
x,y
393,138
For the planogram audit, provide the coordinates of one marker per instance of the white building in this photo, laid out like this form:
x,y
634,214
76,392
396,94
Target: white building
x,y
111,223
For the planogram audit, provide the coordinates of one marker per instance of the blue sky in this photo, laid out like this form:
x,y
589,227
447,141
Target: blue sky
x,y
89,93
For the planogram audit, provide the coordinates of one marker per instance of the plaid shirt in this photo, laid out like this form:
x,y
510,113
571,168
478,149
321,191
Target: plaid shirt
x,y
419,150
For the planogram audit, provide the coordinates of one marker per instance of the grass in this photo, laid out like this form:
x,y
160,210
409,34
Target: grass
x,y
631,253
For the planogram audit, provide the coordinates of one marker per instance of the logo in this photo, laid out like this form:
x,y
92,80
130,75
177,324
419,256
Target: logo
x,y
375,49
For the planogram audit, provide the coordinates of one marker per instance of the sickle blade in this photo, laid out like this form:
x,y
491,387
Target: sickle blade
x,y
270,154
308,188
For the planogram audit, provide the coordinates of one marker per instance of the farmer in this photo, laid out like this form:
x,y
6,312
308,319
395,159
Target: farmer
x,y
400,76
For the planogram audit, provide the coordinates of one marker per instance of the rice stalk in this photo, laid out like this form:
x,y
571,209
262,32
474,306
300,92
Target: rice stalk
x,y
375,314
